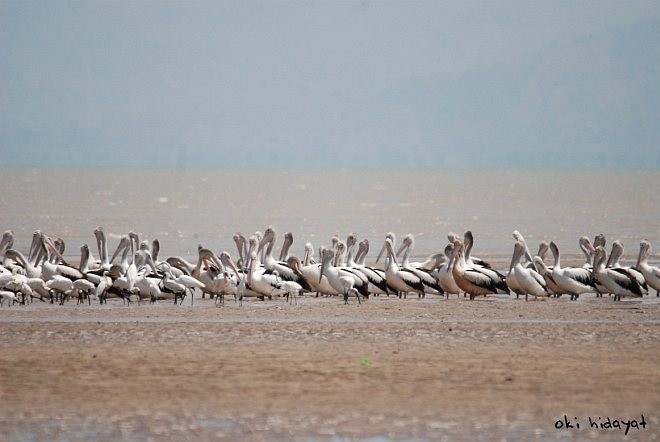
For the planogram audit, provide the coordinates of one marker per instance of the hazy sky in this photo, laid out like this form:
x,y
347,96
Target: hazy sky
x,y
330,83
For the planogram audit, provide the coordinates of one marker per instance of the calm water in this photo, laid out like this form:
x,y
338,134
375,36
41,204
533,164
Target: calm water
x,y
184,209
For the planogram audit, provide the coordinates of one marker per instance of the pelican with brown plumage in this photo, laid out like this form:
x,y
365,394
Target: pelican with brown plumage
x,y
474,280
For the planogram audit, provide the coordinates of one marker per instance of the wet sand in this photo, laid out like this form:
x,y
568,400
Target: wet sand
x,y
389,369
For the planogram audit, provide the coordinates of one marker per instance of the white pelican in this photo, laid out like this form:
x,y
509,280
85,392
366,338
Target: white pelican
x,y
259,281
571,280
285,272
483,266
474,280
613,262
651,274
546,272
599,240
401,280
30,270
444,273
377,277
241,246
511,278
430,283
7,242
468,242
312,275
340,281
588,250
392,237
529,281
360,281
618,281
49,268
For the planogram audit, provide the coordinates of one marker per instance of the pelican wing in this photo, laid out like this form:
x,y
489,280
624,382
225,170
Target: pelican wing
x,y
479,278
625,279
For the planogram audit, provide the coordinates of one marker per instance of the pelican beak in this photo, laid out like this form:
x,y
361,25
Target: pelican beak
x,y
401,249
382,251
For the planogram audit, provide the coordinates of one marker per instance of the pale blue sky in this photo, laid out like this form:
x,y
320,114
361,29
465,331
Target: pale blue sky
x,y
330,83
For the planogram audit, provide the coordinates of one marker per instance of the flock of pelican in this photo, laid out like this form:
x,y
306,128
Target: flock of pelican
x,y
134,272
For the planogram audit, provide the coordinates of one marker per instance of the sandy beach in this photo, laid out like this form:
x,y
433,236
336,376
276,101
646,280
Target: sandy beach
x,y
390,369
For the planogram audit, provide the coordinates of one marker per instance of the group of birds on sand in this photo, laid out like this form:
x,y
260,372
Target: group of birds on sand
x,y
134,272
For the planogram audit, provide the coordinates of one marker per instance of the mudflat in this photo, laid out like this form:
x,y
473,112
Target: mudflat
x,y
389,369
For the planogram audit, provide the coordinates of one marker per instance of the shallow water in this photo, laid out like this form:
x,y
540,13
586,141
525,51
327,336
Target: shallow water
x,y
187,208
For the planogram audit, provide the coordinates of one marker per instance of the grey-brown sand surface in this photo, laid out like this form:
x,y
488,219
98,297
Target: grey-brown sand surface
x,y
390,369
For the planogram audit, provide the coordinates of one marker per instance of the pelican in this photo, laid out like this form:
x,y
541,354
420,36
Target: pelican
x,y
377,277
360,281
49,268
444,273
651,274
550,284
401,280
340,281
468,242
313,276
7,242
529,281
259,281
613,262
588,250
241,246
430,283
512,278
285,272
618,281
474,280
482,265
30,270
392,237
571,280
